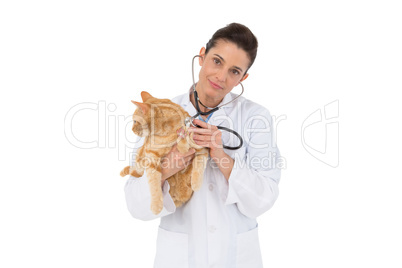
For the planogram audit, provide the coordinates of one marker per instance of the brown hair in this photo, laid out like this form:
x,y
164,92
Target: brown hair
x,y
239,35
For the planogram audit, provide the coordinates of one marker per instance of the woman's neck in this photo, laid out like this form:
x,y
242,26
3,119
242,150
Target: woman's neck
x,y
202,108
209,102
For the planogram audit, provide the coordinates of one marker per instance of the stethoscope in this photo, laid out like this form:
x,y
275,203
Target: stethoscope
x,y
189,120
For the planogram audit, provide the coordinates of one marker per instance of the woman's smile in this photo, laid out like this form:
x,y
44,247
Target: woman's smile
x,y
214,85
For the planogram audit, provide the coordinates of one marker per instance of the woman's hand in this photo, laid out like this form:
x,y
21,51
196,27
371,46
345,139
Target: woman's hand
x,y
174,162
208,136
211,137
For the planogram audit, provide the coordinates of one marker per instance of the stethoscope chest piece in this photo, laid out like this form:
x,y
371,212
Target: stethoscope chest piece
x,y
189,122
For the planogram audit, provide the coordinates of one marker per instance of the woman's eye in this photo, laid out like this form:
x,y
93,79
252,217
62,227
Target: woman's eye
x,y
217,61
236,72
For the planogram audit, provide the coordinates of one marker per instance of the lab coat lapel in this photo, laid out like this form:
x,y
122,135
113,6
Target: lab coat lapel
x,y
220,117
187,105
190,109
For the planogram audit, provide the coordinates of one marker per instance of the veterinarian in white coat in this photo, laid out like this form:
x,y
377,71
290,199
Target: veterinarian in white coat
x,y
218,227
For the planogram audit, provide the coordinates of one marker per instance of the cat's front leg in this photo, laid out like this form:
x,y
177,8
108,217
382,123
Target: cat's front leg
x,y
183,146
199,163
154,176
139,167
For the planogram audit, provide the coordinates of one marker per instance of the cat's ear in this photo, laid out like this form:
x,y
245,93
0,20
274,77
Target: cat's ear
x,y
145,96
143,106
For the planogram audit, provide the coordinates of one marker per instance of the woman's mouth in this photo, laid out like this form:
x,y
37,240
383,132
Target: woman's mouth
x,y
215,86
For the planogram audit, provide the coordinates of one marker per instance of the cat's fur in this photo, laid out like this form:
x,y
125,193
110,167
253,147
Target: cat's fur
x,y
161,123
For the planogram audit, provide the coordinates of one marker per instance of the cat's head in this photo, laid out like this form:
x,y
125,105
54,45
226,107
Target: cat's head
x,y
157,116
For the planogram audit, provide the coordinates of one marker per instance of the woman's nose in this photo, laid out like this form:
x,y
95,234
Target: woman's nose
x,y
221,75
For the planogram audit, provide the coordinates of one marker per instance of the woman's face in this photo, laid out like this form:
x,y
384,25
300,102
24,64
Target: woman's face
x,y
222,69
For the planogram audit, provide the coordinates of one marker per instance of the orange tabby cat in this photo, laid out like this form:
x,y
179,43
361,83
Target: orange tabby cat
x,y
161,123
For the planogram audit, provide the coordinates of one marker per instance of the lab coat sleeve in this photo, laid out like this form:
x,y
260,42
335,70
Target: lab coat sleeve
x,y
253,182
138,198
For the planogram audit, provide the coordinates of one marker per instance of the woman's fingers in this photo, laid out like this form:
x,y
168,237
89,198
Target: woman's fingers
x,y
201,137
202,124
208,140
190,152
174,161
188,160
188,156
203,130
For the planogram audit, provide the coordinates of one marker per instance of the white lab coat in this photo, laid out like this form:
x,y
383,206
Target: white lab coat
x,y
218,227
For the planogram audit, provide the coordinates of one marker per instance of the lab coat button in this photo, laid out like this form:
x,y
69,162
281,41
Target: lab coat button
x,y
211,187
211,228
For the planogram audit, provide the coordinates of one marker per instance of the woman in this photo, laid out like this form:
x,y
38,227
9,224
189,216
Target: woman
x,y
218,227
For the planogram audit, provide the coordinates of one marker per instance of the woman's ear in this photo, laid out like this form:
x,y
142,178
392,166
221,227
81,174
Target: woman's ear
x,y
244,77
202,55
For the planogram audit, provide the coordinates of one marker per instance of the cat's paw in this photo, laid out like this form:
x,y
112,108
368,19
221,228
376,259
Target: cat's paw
x,y
125,171
183,146
135,173
196,184
156,207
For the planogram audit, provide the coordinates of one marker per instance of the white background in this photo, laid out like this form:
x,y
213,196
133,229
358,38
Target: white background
x,y
64,206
